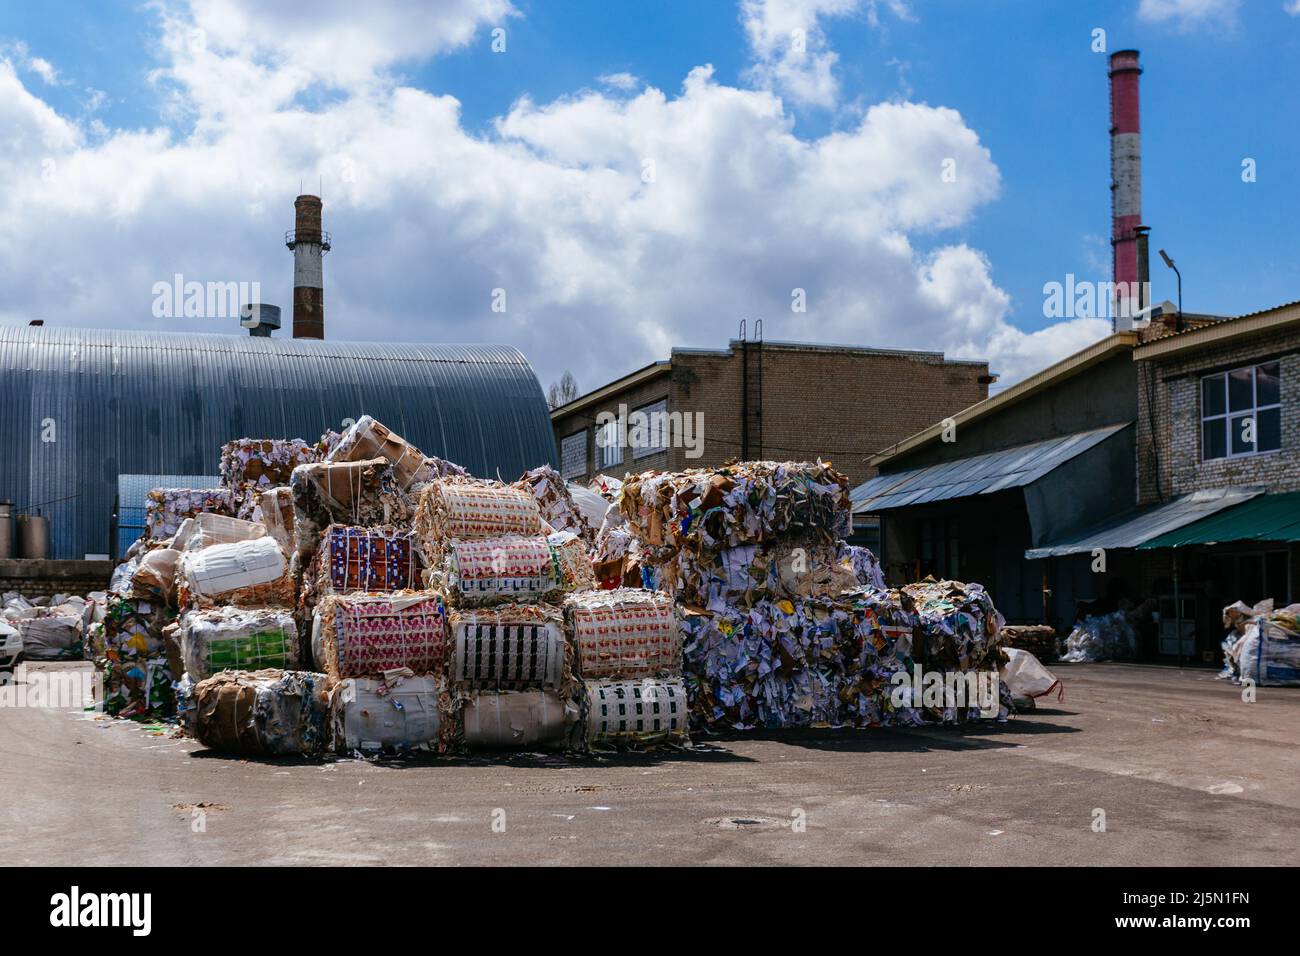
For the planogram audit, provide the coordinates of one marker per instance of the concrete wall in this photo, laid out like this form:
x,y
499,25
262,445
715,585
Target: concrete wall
x,y
47,578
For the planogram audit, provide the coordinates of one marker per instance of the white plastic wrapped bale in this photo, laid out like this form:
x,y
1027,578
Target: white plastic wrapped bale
x,y
399,712
518,720
231,638
250,573
50,634
625,633
509,647
208,529
1269,652
636,712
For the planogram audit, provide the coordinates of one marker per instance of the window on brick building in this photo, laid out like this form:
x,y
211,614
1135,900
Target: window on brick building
x,y
652,435
609,446
573,455
1241,412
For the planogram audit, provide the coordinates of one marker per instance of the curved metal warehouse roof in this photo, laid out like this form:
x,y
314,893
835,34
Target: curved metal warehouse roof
x,y
134,402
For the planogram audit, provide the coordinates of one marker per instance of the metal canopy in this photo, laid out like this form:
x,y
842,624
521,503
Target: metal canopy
x,y
1133,528
976,475
1266,518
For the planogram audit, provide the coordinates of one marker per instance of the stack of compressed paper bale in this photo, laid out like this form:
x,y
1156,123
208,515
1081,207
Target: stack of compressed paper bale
x,y
628,650
130,650
511,668
787,625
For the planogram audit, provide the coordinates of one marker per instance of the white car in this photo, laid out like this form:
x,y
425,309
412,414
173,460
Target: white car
x,y
11,644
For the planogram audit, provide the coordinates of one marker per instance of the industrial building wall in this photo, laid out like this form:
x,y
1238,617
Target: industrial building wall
x,y
79,407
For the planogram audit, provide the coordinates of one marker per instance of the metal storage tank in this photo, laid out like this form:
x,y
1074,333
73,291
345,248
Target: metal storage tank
x,y
78,407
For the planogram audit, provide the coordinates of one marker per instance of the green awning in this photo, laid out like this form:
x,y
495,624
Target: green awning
x,y
1266,518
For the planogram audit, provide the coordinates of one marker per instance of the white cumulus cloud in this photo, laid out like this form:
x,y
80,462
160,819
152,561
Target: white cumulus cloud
x,y
617,225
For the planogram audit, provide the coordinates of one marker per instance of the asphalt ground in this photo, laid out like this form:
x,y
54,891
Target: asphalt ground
x,y
1175,765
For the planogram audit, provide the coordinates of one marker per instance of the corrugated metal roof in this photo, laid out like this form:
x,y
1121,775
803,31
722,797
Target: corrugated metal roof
x,y
1266,518
78,407
976,475
1133,528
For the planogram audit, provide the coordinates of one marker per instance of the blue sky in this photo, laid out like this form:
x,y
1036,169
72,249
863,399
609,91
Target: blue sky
x,y
1221,84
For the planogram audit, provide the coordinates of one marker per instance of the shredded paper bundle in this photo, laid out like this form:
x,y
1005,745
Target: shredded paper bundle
x,y
362,635
739,503
555,501
262,462
626,633
166,508
961,626
789,568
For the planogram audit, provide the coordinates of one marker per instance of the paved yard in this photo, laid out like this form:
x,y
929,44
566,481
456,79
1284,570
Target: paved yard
x,y
1185,772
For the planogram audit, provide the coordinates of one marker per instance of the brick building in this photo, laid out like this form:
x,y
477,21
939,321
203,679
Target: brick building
x,y
776,400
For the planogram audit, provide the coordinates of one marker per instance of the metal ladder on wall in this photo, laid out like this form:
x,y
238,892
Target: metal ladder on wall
x,y
751,392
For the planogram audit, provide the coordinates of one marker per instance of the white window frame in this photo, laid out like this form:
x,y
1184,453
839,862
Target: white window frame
x,y
660,405
609,454
564,470
1229,414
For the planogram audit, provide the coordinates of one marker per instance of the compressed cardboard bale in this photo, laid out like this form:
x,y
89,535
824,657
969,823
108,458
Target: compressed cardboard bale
x,y
247,573
636,712
397,712
264,713
368,439
248,463
486,571
435,468
166,508
357,493
626,633
363,635
454,509
518,720
275,511
509,647
232,638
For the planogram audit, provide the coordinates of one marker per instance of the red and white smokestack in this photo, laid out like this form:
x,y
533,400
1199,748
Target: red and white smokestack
x,y
1125,184
309,244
